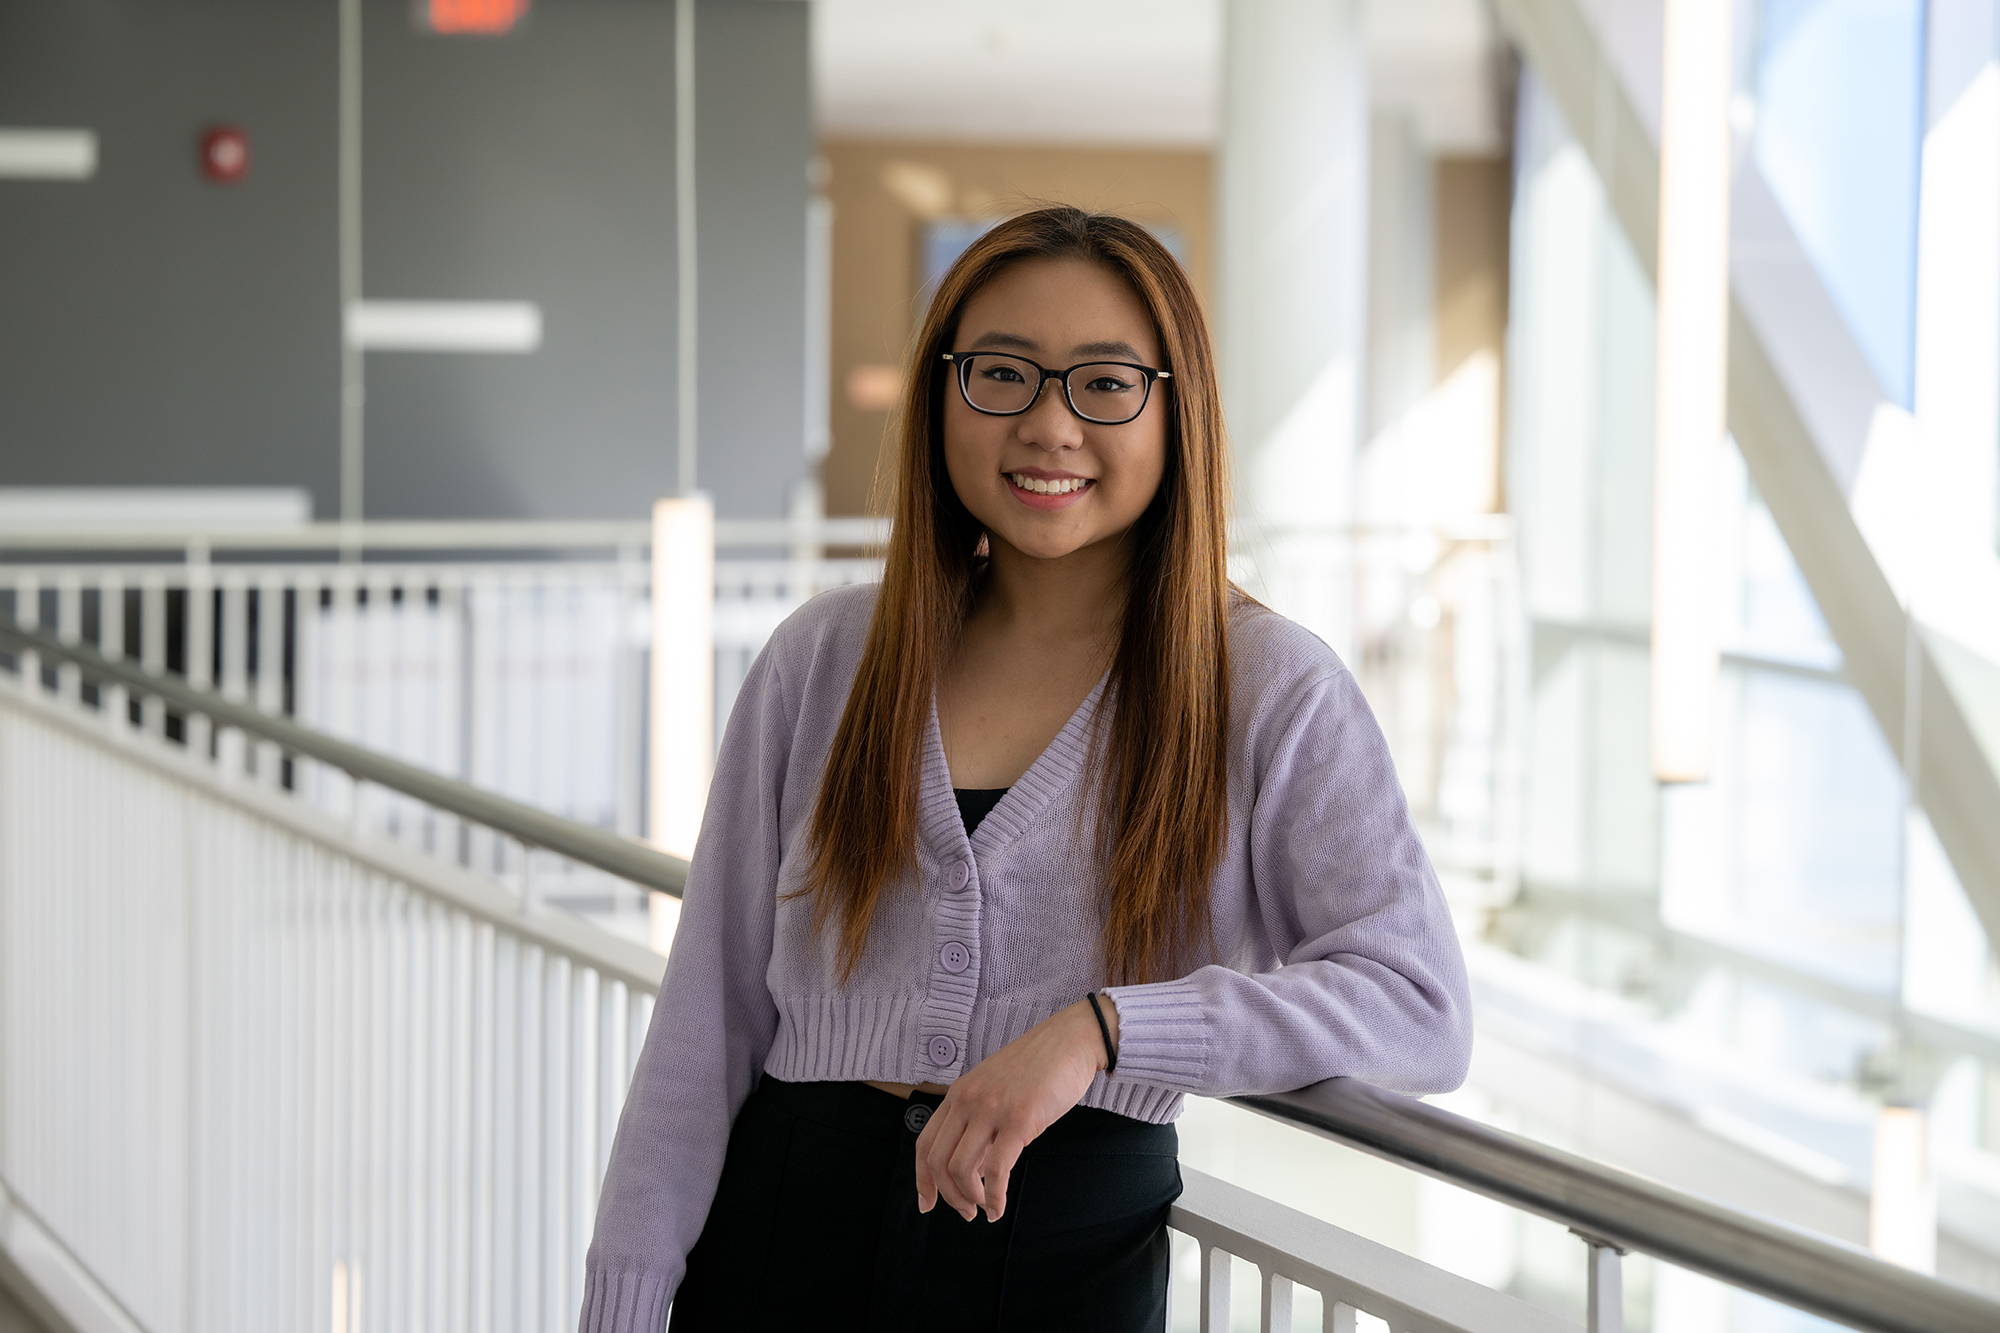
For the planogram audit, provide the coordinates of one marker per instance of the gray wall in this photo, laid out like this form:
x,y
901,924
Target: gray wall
x,y
155,329
753,126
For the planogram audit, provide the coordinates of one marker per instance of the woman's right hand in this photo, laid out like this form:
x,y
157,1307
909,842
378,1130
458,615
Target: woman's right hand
x,y
1002,1104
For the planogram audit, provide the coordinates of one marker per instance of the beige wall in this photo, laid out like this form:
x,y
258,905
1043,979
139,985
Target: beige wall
x,y
1472,200
1473,197
882,192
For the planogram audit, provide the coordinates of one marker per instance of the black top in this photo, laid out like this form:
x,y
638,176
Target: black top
x,y
975,804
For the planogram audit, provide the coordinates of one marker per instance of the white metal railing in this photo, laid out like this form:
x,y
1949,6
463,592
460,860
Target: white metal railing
x,y
1355,1282
526,678
514,655
263,1070
266,1070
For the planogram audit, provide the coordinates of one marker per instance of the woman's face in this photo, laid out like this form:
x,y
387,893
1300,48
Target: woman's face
x,y
1057,312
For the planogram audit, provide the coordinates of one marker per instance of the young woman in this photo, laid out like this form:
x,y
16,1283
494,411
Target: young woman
x,y
1006,856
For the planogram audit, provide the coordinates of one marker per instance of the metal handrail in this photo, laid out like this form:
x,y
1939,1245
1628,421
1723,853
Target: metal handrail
x,y
1605,1205
619,856
1609,1206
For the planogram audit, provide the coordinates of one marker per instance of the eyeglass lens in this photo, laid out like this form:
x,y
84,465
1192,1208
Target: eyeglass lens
x,y
1104,392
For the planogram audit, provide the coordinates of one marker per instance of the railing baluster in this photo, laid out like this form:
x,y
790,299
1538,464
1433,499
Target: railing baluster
x,y
1215,1264
482,673
1337,1317
376,662
484,1166
1275,1312
233,671
449,689
1604,1301
153,649
28,613
308,689
69,625
111,698
340,660
270,667
199,640
357,808
508,1078
634,610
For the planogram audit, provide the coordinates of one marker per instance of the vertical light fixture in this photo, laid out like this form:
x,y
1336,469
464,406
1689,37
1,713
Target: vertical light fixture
x,y
681,741
681,737
1691,386
1902,1200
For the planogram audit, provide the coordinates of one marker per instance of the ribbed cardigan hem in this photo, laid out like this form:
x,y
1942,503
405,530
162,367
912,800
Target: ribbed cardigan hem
x,y
826,1038
840,1038
617,1301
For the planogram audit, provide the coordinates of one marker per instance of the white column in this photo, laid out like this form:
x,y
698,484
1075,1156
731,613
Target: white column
x,y
1292,224
1691,380
681,750
1958,293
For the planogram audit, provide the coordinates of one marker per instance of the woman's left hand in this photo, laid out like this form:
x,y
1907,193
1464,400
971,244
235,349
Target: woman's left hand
x,y
1002,1104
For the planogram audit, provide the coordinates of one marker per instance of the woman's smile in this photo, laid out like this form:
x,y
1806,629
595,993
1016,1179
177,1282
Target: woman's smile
x,y
1039,488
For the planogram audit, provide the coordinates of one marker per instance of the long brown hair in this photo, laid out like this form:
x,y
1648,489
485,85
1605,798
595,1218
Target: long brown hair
x,y
1163,788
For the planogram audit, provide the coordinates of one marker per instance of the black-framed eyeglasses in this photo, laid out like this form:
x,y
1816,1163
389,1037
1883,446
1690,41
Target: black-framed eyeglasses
x,y
1105,393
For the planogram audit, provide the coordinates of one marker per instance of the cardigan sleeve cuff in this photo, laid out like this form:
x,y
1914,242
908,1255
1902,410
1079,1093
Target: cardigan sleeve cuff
x,y
624,1302
1162,1035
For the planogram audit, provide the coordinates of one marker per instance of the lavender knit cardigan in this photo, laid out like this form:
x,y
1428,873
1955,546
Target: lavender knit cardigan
x,y
1334,953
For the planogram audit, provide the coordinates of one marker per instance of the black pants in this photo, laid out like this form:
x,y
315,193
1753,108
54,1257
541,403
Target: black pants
x,y
815,1224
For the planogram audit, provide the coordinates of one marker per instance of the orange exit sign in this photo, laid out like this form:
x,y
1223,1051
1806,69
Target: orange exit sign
x,y
474,16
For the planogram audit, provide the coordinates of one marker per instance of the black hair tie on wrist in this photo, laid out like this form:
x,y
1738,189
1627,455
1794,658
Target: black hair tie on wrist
x,y
1104,1030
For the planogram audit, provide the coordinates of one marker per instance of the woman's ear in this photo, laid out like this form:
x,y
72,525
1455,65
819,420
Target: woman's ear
x,y
983,551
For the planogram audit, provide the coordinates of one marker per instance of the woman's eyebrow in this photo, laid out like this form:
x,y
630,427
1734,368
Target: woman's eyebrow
x,y
1112,348
1013,340
1109,347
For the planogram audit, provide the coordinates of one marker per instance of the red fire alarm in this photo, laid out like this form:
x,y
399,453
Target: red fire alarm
x,y
225,154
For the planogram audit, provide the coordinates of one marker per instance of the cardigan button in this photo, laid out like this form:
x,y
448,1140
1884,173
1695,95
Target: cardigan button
x,y
943,1050
961,875
955,957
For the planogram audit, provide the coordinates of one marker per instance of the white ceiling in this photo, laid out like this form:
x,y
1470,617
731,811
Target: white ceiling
x,y
1098,71
1114,71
